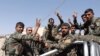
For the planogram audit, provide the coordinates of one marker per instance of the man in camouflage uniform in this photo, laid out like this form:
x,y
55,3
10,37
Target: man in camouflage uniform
x,y
33,47
95,28
38,45
90,26
14,43
28,50
64,40
51,30
91,19
94,32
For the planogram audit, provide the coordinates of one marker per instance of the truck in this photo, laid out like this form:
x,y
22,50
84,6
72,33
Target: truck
x,y
84,48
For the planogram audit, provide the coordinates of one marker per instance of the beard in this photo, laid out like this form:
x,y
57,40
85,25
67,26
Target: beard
x,y
64,33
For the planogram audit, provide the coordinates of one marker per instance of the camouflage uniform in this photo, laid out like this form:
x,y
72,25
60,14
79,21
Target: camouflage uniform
x,y
63,45
89,25
52,30
14,43
48,36
33,46
37,46
91,38
28,51
95,28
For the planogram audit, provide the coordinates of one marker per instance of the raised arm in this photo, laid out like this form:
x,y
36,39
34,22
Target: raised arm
x,y
70,21
60,19
37,25
75,20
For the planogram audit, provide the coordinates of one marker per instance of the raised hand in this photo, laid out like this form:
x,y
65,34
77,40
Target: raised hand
x,y
38,23
58,15
74,15
60,19
69,20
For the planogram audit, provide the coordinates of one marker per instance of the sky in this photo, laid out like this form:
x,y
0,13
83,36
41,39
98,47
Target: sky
x,y
26,11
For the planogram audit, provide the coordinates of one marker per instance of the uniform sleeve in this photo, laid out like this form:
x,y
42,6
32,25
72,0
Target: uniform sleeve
x,y
29,37
54,31
63,43
60,45
90,38
76,23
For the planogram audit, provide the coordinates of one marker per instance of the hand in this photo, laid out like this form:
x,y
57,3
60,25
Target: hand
x,y
58,14
46,45
69,20
68,41
38,23
74,15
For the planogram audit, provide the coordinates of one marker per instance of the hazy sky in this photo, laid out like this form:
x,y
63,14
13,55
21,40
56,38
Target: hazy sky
x,y
26,11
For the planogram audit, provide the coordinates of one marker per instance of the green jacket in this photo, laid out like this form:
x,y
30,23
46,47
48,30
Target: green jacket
x,y
14,40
